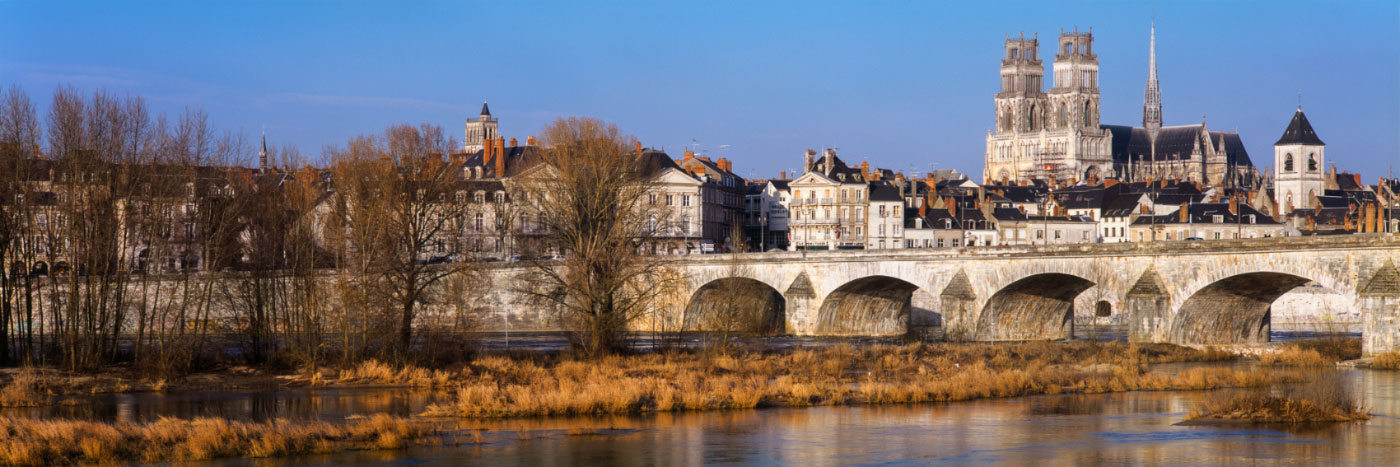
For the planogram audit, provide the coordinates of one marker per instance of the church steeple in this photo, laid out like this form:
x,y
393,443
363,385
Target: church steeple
x,y
262,154
1152,98
485,111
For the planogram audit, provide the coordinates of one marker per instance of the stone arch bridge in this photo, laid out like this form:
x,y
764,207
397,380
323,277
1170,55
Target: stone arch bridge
x,y
1189,292
1198,292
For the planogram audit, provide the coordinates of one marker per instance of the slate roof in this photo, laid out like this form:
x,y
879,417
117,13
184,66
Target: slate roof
x,y
1173,143
1123,205
1299,131
1016,193
1090,197
1203,213
779,184
884,192
518,158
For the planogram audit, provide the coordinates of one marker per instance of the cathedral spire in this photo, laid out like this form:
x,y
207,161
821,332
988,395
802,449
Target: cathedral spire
x,y
262,154
1152,98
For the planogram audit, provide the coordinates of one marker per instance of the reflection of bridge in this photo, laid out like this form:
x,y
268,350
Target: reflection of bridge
x,y
1216,292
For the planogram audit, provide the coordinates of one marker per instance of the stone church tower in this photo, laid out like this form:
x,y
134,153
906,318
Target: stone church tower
x,y
1298,162
1048,135
480,131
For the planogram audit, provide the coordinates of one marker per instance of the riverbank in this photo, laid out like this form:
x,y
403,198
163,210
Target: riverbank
x,y
524,385
543,385
49,442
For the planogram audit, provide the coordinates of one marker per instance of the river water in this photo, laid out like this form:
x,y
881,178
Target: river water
x,y
1110,429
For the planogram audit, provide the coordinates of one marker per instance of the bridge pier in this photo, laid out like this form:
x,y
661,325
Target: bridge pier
x,y
1147,309
801,300
959,306
1380,305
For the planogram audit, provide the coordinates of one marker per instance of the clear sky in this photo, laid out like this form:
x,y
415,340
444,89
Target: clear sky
x,y
902,84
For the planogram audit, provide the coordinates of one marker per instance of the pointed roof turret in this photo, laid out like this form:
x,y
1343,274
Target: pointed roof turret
x,y
1299,131
485,111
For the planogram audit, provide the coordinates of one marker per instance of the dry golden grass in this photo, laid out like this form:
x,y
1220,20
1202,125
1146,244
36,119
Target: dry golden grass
x,y
1314,353
23,390
46,442
1269,408
375,372
1325,398
1386,361
561,385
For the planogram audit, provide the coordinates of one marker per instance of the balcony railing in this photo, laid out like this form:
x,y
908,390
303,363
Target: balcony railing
x,y
829,220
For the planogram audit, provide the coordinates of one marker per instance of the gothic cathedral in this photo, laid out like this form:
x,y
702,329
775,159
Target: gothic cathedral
x,y
1057,135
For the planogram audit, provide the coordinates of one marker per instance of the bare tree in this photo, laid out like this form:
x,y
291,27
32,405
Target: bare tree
x,y
592,190
737,305
403,212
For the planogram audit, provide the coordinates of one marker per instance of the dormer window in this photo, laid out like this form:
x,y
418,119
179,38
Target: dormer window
x,y
1218,219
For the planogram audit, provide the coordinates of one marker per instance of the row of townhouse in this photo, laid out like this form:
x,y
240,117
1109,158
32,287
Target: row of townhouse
x,y
835,206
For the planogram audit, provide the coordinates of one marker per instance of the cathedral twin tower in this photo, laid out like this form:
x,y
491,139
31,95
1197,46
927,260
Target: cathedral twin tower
x,y
1057,134
1048,134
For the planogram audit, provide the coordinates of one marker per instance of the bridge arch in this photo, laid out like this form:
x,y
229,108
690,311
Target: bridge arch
x,y
1035,307
1232,310
737,304
869,306
1231,304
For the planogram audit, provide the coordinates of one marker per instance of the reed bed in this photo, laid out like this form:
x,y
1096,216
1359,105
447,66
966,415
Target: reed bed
x,y
1326,397
840,375
1314,353
1386,361
376,372
47,442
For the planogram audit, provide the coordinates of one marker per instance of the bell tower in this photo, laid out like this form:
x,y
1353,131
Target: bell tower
x,y
1021,103
1075,97
481,131
1298,162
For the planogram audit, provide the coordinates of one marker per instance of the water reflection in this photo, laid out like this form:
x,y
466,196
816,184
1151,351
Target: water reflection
x,y
1109,429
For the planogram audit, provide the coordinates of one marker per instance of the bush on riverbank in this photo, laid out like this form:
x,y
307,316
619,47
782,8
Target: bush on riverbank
x,y
46,442
1326,398
1314,353
1386,361
562,385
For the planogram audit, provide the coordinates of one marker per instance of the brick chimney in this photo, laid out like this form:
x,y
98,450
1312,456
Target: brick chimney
x,y
865,169
530,141
952,206
487,150
782,175
512,142
500,157
639,148
923,207
725,165
1234,205
1184,214
688,156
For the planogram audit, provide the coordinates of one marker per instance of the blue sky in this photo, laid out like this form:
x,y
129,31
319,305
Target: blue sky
x,y
905,85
